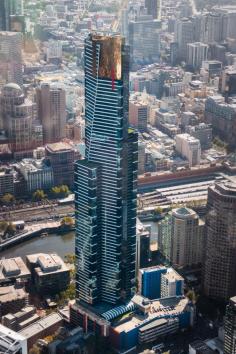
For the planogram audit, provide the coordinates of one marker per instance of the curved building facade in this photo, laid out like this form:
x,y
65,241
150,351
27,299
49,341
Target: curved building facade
x,y
220,261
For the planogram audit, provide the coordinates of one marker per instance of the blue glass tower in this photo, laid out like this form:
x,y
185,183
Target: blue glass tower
x,y
106,181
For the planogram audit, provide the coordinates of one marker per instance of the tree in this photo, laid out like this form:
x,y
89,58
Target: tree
x,y
39,194
60,191
8,199
3,226
67,221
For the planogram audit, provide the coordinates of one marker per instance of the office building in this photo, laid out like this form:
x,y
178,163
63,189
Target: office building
x,y
6,181
220,260
189,147
184,34
230,327
11,58
150,281
62,157
138,112
50,275
9,8
51,102
202,132
18,114
37,174
211,27
228,83
222,117
12,342
154,8
196,53
172,284
105,182
144,49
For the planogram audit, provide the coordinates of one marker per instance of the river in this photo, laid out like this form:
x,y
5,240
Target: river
x,y
53,243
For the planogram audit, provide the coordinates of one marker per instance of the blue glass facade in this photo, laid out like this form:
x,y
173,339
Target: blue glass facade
x,y
106,181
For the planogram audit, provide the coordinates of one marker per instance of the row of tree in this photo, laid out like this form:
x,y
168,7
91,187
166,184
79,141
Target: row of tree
x,y
56,192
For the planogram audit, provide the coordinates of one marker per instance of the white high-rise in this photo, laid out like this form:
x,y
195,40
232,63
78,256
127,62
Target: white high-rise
x,y
196,54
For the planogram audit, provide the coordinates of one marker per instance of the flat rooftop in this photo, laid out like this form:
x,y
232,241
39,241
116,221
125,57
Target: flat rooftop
x,y
47,263
11,293
41,325
13,268
159,309
59,147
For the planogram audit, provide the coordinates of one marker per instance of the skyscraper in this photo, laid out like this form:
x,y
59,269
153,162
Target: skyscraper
x,y
184,34
154,8
181,237
220,260
51,102
105,182
11,58
7,9
230,327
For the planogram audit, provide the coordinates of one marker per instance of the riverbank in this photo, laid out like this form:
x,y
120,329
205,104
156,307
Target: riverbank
x,y
51,227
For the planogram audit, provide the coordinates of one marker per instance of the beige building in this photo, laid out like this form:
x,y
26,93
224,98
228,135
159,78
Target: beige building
x,y
187,241
189,147
51,103
138,112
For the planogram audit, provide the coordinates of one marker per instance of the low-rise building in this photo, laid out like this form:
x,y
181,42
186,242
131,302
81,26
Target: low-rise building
x,y
50,275
44,327
21,319
12,269
12,342
12,299
37,173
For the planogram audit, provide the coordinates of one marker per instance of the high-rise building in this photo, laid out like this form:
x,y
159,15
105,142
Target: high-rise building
x,y
51,102
18,114
189,147
184,34
196,54
105,182
230,327
11,58
144,49
220,260
154,8
138,112
9,8
181,237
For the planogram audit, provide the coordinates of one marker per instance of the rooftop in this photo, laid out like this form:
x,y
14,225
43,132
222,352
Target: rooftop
x,y
47,263
59,147
13,267
11,293
41,325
